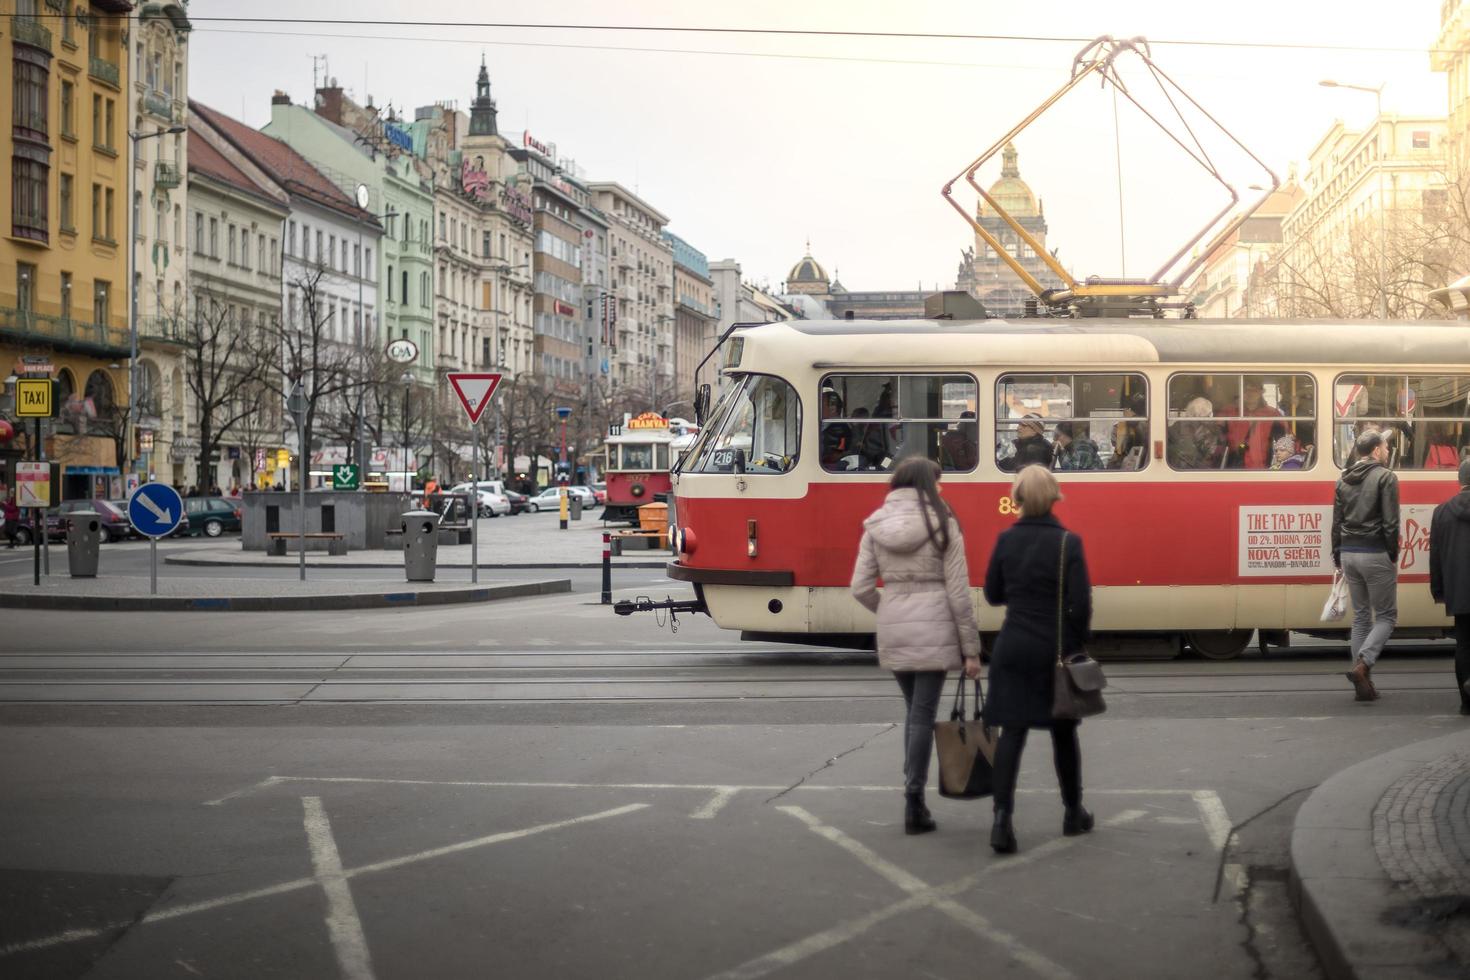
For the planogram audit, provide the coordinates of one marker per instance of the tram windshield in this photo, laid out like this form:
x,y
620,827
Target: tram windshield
x,y
759,421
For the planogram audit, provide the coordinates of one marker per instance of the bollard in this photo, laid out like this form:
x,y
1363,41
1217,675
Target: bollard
x,y
606,568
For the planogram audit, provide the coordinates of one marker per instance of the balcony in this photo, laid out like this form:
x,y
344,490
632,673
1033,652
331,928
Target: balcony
x,y
29,327
26,30
159,104
166,175
105,71
162,330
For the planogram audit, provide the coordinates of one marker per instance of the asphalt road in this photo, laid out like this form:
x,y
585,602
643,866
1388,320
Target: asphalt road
x,y
538,788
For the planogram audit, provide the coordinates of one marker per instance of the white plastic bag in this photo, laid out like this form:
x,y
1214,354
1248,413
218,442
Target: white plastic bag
x,y
1336,606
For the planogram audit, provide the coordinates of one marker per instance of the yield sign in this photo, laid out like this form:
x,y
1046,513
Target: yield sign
x,y
474,391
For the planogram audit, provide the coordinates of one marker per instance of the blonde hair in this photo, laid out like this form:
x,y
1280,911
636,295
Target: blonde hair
x,y
1035,490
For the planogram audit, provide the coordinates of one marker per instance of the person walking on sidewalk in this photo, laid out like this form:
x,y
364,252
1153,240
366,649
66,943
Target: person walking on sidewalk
x,y
1365,545
1449,574
1023,577
926,618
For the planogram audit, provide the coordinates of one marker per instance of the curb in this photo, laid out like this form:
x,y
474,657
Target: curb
x,y
1346,900
516,566
282,603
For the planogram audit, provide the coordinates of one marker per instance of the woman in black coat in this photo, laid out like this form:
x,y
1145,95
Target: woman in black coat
x,y
1023,578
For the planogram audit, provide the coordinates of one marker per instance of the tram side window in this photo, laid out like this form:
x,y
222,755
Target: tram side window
x,y
1426,418
1071,421
871,421
760,425
1242,422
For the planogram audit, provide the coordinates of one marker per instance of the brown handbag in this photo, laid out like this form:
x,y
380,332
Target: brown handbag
x,y
966,750
1078,684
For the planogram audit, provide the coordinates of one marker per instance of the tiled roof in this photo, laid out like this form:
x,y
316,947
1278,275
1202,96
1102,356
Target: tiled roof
x,y
287,167
206,160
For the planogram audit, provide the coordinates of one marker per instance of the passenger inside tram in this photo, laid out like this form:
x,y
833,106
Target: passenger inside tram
x,y
1130,436
1197,442
1071,451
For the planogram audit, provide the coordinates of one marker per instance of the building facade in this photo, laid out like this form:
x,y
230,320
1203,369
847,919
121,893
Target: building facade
x,y
1222,287
808,290
158,94
1451,55
738,302
230,292
1355,241
641,276
695,313
63,260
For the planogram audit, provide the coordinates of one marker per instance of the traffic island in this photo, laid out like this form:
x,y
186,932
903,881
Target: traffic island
x,y
255,595
1380,864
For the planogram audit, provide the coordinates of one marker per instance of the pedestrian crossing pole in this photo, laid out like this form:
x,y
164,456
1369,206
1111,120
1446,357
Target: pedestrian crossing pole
x,y
475,503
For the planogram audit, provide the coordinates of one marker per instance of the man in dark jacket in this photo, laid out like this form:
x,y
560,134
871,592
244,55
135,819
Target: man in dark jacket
x,y
1449,574
1365,545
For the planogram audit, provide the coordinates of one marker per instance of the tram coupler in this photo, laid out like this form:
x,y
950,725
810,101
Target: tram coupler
x,y
627,607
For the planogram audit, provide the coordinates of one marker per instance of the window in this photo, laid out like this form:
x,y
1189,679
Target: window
x,y
214,238
260,253
230,238
68,205
275,264
28,113
100,309
178,225
198,233
424,290
441,226
1426,418
97,211
291,240
1215,421
1071,421
319,245
390,284
924,415
97,138
107,123
68,109
245,248
28,198
357,260
331,249
756,431
107,212
68,31
367,263
25,286
403,292
66,295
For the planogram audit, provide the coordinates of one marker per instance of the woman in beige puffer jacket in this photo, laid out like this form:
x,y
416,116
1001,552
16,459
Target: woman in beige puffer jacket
x,y
926,619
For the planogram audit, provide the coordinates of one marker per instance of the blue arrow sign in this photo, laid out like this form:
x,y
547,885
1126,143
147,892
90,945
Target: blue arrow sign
x,y
155,510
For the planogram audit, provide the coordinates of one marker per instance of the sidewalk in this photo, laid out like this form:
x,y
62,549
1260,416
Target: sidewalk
x,y
1380,857
524,541
182,594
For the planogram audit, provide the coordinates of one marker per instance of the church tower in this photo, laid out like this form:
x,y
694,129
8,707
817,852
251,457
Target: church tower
x,y
482,111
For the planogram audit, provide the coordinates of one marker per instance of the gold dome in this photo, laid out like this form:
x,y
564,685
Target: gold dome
x,y
1010,191
807,270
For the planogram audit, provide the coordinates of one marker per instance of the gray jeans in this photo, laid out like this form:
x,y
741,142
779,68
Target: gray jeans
x,y
921,691
1373,583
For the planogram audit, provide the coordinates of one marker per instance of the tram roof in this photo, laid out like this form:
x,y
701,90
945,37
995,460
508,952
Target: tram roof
x,y
1371,342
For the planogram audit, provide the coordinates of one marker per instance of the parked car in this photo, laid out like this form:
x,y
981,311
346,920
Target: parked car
x,y
600,489
492,503
182,531
115,524
550,498
212,516
519,502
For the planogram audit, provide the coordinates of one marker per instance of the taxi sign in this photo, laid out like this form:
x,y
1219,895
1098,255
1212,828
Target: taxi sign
x,y
35,398
155,510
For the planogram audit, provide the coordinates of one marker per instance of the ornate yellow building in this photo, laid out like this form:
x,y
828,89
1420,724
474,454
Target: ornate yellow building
x,y
63,271
982,272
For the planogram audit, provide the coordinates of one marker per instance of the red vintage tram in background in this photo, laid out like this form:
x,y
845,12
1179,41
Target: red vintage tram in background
x,y
1183,545
639,454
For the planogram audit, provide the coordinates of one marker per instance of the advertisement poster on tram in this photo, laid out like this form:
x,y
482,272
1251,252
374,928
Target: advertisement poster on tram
x,y
1286,541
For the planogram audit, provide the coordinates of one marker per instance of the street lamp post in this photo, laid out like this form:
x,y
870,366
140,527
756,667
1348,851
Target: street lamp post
x,y
564,477
363,197
133,140
1382,204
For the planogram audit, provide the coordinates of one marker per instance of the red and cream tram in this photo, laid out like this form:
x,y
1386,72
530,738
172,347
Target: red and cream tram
x,y
1197,460
639,454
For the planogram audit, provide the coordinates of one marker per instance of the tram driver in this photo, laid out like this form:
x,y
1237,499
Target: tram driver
x,y
836,436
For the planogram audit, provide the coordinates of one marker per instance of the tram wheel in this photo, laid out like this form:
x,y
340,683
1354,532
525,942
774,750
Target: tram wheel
x,y
1218,644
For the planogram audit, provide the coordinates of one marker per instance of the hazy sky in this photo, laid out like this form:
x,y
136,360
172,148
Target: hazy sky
x,y
752,143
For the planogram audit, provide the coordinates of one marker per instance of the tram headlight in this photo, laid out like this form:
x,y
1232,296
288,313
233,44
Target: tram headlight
x,y
685,541
636,490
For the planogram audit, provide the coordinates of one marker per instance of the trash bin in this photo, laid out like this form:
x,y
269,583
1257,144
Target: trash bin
x,y
655,517
574,504
83,538
420,545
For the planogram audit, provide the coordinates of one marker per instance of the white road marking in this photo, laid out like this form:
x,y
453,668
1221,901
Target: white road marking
x,y
1212,814
910,883
243,791
837,935
343,924
715,804
177,911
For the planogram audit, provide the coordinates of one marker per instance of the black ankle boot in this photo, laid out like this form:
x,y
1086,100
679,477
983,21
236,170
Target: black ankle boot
x,y
1002,837
916,818
1076,821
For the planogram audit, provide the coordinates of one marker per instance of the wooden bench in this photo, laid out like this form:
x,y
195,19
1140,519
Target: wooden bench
x,y
336,541
645,540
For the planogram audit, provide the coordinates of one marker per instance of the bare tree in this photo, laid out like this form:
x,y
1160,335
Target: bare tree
x,y
306,346
223,367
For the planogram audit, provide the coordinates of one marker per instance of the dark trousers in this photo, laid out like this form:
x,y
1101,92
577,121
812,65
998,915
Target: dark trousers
x,y
1065,751
921,690
1462,656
